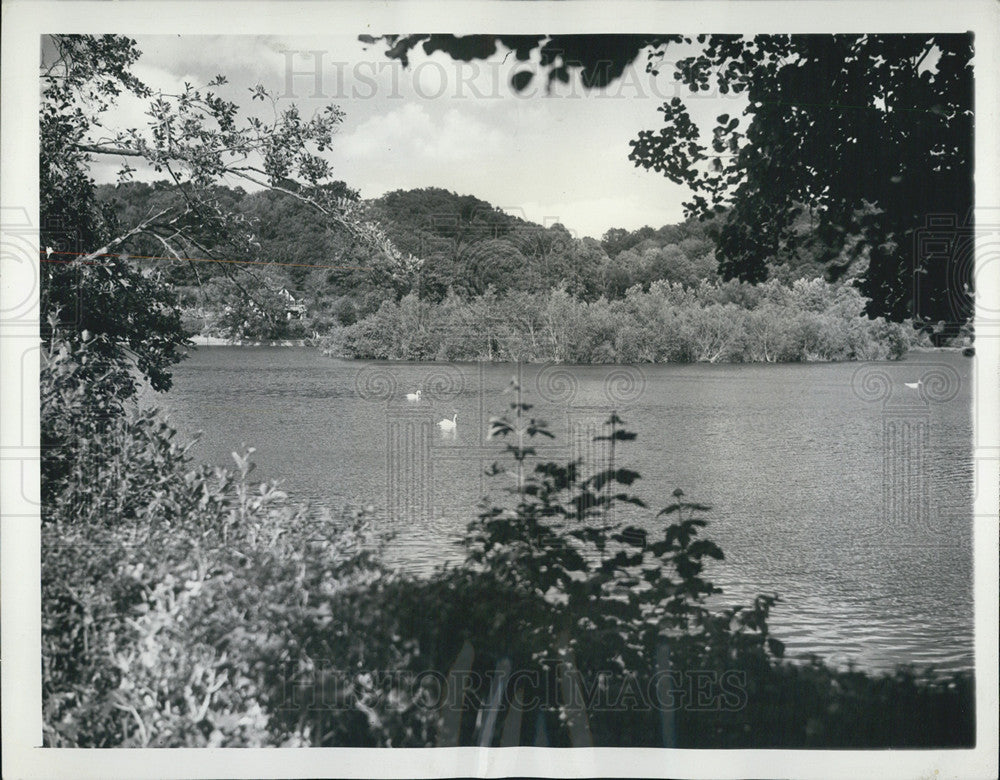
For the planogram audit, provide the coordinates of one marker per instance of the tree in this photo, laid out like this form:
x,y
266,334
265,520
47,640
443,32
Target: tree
x,y
452,235
135,311
196,138
872,134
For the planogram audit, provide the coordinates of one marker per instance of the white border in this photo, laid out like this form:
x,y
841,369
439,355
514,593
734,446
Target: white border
x,y
24,22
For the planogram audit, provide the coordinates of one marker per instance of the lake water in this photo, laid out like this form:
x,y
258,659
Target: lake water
x,y
835,486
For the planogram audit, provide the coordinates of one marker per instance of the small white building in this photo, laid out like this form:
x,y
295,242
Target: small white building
x,y
293,309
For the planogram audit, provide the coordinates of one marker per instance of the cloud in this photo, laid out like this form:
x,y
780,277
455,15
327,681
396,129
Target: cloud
x,y
559,157
592,216
244,59
412,134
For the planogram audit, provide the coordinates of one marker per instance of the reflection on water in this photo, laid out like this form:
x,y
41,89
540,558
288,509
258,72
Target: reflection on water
x,y
834,485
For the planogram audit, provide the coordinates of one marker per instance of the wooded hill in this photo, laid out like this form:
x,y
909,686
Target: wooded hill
x,y
463,246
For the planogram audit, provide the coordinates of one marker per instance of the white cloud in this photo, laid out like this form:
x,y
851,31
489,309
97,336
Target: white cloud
x,y
412,134
592,216
562,156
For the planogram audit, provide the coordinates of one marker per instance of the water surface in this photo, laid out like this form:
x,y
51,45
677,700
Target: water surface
x,y
835,486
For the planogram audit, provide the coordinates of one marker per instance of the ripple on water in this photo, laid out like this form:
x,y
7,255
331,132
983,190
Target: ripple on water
x,y
789,458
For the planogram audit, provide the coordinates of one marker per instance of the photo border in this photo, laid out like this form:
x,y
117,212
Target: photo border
x,y
25,21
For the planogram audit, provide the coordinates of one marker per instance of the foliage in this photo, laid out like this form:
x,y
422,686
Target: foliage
x,y
195,137
711,322
135,311
465,247
184,605
870,134
615,587
268,315
472,257
458,243
188,606
603,623
599,59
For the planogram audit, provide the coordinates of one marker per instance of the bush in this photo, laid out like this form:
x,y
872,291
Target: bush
x,y
807,320
605,626
181,603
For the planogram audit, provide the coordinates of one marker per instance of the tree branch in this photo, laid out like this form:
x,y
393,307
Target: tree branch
x,y
298,196
122,151
141,227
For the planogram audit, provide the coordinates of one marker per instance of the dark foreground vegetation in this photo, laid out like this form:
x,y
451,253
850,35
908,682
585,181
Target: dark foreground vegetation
x,y
186,605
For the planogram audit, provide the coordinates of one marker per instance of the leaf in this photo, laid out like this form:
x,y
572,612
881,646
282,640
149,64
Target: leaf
x,y
584,501
521,80
626,476
535,430
599,480
632,535
617,436
626,498
706,547
592,535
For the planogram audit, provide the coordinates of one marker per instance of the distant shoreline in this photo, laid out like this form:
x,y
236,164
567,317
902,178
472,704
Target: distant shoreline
x,y
218,341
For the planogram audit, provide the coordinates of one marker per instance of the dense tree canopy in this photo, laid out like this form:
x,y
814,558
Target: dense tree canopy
x,y
462,245
869,134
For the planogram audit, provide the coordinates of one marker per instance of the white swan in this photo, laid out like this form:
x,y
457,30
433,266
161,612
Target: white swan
x,y
914,385
413,396
449,425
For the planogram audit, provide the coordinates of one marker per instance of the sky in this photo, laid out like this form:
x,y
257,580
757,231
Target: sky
x,y
559,157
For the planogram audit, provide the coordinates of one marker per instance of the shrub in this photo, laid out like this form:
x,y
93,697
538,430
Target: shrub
x,y
559,588
708,322
180,603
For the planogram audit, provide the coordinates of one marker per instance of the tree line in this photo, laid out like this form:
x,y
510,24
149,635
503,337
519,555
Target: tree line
x,y
870,135
500,279
808,320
